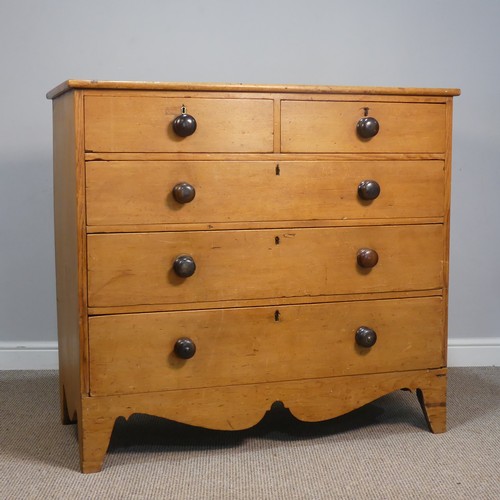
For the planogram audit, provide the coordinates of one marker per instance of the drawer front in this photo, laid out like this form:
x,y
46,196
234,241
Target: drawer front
x,y
135,269
134,352
141,192
330,127
144,124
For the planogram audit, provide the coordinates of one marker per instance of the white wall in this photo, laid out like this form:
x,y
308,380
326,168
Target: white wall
x,y
433,43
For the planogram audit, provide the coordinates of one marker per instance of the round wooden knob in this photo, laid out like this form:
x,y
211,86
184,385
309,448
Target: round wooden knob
x,y
367,127
368,190
367,257
184,125
365,337
184,348
183,192
184,266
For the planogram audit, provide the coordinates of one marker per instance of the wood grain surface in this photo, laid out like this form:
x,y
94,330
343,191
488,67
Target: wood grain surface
x,y
130,269
248,192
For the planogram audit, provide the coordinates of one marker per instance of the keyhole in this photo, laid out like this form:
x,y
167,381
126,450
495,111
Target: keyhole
x,y
366,110
277,315
276,240
278,169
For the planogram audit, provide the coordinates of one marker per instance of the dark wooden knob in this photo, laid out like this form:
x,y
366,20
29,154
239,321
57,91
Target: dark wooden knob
x,y
367,127
184,266
365,337
183,192
368,190
184,348
367,257
184,125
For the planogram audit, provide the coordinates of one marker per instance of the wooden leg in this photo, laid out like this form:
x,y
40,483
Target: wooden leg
x,y
69,407
65,418
94,434
432,399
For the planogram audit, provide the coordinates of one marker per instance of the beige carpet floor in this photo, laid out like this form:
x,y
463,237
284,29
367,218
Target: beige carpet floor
x,y
381,451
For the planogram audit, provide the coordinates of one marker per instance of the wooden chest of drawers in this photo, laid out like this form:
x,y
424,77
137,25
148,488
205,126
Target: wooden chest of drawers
x,y
223,247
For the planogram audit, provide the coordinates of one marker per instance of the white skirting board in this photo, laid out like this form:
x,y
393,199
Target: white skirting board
x,y
28,356
43,355
474,351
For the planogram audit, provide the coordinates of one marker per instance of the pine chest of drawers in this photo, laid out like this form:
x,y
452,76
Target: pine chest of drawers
x,y
223,247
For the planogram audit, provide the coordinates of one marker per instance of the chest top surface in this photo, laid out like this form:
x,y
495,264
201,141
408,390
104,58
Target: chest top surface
x,y
243,87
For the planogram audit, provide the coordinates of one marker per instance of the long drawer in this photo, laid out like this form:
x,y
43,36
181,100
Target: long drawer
x,y
142,191
137,268
134,352
144,124
330,127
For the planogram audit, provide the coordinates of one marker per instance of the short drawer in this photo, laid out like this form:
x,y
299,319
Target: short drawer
x,y
144,124
135,269
141,192
330,127
135,352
